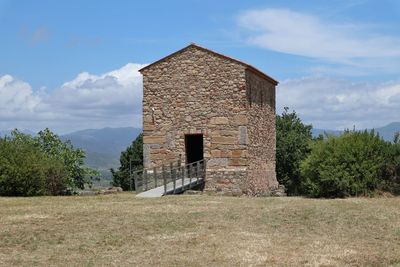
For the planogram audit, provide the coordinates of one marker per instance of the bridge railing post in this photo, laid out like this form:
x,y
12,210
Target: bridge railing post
x,y
190,177
198,171
135,179
171,166
155,176
189,170
164,176
145,179
204,169
182,173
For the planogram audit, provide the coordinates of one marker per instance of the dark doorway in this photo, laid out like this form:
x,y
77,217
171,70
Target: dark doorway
x,y
194,147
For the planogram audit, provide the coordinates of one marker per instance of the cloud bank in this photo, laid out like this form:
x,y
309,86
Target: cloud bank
x,y
112,99
350,44
331,103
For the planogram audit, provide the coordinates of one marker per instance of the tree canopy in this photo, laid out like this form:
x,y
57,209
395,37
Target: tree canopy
x,y
41,165
131,158
293,139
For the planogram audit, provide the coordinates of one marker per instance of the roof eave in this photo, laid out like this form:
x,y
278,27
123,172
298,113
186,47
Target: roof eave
x,y
262,74
255,70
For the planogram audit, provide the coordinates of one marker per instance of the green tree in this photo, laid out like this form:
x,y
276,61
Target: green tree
x,y
26,171
56,177
132,157
21,169
292,146
351,164
391,182
72,158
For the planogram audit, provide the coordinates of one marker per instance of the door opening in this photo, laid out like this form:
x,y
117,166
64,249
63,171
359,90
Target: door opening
x,y
194,147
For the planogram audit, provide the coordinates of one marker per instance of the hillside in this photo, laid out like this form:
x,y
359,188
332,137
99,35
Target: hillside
x,y
386,132
103,146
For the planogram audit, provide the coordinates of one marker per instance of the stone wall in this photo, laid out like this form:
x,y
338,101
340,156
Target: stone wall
x,y
262,135
195,92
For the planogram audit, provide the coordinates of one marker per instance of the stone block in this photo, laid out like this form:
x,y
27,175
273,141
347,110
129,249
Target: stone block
x,y
219,120
226,153
217,162
237,162
240,119
224,140
228,133
148,118
156,156
149,127
153,139
239,153
243,135
216,153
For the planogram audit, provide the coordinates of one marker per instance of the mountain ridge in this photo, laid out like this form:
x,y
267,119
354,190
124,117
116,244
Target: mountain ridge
x,y
387,132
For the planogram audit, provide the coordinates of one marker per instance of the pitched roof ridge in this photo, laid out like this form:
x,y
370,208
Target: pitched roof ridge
x,y
250,67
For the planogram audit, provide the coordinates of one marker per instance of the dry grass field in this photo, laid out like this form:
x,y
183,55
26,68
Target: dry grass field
x,y
121,230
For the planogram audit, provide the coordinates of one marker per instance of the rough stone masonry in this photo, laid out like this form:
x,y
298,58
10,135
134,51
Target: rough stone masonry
x,y
229,104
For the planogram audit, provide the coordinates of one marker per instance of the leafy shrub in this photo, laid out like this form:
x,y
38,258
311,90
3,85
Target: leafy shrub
x,y
391,182
72,158
56,177
292,146
41,165
351,164
22,171
132,157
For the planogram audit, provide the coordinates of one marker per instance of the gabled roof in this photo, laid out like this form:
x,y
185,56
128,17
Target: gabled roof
x,y
249,67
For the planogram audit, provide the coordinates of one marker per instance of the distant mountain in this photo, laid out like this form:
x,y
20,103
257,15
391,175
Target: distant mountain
x,y
386,132
103,146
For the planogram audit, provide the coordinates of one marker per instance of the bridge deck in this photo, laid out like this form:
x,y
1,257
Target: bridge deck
x,y
159,191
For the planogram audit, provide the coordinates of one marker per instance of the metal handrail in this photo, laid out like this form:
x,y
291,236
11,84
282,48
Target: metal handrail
x,y
149,178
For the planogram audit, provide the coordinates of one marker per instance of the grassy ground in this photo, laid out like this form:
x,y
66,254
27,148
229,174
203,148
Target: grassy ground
x,y
121,230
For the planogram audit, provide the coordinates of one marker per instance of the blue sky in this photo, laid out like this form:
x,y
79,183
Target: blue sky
x,y
70,65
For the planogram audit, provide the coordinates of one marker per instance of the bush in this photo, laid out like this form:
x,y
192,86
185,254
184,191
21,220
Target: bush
x,y
22,171
56,178
391,182
72,158
349,165
77,174
292,146
41,165
132,157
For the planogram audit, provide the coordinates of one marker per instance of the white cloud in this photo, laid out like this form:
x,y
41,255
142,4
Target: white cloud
x,y
112,99
16,98
330,103
307,35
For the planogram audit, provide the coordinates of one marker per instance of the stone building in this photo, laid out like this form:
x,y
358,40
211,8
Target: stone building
x,y
199,104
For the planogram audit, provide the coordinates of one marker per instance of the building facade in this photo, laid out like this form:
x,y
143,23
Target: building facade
x,y
199,104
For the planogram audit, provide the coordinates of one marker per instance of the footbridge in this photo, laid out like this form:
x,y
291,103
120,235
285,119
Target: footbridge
x,y
174,178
